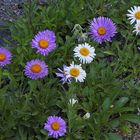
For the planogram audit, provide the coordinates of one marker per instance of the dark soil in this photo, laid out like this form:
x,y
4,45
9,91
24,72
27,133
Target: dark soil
x,y
10,9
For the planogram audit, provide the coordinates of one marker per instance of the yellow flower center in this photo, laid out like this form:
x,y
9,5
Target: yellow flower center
x,y
2,57
84,51
101,30
43,44
36,68
74,72
138,28
55,126
137,15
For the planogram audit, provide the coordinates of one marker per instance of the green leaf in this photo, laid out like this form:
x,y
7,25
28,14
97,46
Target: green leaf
x,y
44,132
106,104
126,109
109,53
113,136
114,123
132,118
120,103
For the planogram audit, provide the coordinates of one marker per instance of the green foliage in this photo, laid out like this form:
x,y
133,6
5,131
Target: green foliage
x,y
111,91
126,129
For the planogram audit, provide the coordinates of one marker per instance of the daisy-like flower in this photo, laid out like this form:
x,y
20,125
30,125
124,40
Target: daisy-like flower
x,y
35,69
85,52
102,29
137,29
62,75
5,57
134,14
44,42
56,126
76,72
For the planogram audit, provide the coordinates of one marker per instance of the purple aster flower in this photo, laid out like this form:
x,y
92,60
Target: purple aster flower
x,y
102,29
62,75
44,42
55,126
35,69
5,57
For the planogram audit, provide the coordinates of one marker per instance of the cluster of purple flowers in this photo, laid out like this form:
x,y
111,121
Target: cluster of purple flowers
x,y
102,29
44,42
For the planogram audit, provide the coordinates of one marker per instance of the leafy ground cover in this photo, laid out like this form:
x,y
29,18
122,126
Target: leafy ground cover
x,y
108,99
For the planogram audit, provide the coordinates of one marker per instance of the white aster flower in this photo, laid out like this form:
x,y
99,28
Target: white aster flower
x,y
87,115
85,52
134,14
72,101
76,72
137,29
